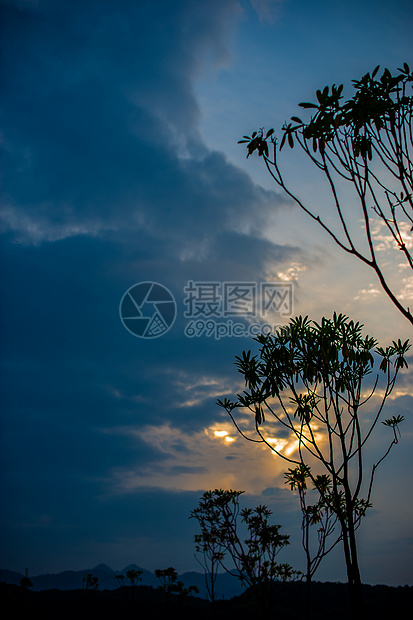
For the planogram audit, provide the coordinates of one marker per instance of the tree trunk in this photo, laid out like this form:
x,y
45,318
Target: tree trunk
x,y
356,594
308,596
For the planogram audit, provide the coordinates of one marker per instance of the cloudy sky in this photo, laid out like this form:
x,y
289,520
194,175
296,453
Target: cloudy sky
x,y
120,165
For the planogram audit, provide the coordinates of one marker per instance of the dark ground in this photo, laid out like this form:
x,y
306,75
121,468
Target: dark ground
x,y
329,601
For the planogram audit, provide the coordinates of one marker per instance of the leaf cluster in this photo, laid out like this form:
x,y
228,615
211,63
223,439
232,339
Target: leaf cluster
x,y
171,585
257,142
253,558
377,103
133,575
90,582
333,353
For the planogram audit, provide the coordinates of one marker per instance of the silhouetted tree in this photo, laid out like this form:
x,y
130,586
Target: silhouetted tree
x,y
25,582
212,555
90,582
318,515
170,585
364,143
120,579
167,576
134,576
309,380
252,559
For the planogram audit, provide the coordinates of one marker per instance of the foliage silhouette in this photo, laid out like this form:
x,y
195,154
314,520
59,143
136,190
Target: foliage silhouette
x,y
90,583
25,582
210,549
308,381
318,515
133,575
364,143
120,579
169,584
253,560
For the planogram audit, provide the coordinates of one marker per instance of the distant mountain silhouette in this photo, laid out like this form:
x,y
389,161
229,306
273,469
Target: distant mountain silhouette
x,y
226,585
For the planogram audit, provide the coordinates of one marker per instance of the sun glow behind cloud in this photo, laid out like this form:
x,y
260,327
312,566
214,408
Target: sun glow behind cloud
x,y
214,457
224,435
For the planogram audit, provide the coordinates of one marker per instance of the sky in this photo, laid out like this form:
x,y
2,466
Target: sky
x,y
120,166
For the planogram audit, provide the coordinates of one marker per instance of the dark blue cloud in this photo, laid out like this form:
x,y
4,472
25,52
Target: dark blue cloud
x,y
106,182
66,349
101,123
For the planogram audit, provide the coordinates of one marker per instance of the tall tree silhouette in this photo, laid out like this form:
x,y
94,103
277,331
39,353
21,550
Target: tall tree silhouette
x,y
364,143
309,380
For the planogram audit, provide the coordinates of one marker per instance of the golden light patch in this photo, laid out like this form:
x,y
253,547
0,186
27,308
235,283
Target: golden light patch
x,y
291,448
278,444
211,447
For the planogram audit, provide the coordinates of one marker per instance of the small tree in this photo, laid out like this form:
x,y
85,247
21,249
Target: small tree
x,y
134,576
210,550
308,379
170,584
120,579
25,582
90,582
167,576
364,143
252,560
318,515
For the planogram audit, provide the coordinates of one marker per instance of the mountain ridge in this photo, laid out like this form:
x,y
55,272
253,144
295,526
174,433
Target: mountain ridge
x,y
226,586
